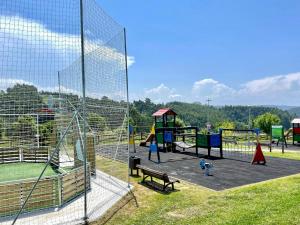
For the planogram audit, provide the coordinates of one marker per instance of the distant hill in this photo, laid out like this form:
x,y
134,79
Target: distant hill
x,y
295,110
282,107
196,114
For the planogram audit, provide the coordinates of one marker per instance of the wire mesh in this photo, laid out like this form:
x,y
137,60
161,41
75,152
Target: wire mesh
x,y
239,144
60,138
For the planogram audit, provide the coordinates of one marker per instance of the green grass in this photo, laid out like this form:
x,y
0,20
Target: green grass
x,y
17,171
270,202
285,155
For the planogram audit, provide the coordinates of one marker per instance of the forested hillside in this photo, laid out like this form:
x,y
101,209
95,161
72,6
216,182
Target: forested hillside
x,y
196,114
295,110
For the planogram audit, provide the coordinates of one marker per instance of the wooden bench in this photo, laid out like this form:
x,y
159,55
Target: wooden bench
x,y
147,172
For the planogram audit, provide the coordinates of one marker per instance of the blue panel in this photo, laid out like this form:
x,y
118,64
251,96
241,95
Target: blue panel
x,y
215,140
153,148
130,129
168,136
257,131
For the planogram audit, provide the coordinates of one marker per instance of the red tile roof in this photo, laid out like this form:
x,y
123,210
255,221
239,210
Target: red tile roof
x,y
162,112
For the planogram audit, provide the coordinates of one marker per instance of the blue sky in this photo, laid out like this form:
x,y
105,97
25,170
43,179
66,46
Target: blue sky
x,y
236,52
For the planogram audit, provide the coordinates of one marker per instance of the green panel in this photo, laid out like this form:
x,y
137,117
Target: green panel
x,y
170,124
159,138
202,140
296,137
277,132
159,125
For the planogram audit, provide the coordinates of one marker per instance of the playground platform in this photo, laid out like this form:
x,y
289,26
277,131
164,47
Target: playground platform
x,y
234,171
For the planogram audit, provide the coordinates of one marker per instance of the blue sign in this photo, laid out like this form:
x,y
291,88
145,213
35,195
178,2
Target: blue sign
x,y
215,140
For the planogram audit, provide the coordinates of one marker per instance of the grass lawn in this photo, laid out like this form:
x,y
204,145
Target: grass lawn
x,y
276,152
270,202
16,171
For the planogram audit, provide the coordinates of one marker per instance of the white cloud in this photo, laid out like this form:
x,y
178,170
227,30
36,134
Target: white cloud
x,y
32,53
272,84
39,36
162,94
6,83
210,88
278,89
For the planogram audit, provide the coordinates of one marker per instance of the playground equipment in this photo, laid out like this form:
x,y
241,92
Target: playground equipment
x,y
239,144
206,166
277,135
166,133
154,149
164,118
131,138
296,130
150,136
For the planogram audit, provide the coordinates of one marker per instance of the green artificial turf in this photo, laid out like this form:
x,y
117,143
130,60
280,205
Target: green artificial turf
x,y
17,171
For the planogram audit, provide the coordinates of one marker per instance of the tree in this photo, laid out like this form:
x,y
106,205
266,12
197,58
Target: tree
x,y
45,131
24,127
265,121
22,98
97,122
179,122
226,125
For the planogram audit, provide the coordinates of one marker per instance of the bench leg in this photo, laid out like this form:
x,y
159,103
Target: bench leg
x,y
165,186
151,179
144,178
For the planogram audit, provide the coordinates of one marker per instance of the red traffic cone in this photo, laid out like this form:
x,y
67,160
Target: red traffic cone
x,y
258,156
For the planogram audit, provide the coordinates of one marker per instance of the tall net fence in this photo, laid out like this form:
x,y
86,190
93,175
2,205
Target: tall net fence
x,y
63,112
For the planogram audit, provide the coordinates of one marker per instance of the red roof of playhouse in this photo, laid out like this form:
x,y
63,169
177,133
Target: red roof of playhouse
x,y
162,112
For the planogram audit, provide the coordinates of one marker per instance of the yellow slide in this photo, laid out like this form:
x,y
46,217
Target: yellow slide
x,y
149,137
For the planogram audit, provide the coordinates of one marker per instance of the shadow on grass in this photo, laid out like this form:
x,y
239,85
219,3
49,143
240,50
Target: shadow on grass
x,y
116,208
157,187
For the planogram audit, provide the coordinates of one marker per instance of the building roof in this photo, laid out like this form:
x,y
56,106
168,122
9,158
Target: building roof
x,y
296,120
166,111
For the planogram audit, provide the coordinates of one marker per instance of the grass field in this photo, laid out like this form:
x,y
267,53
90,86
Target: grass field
x,y
17,171
269,202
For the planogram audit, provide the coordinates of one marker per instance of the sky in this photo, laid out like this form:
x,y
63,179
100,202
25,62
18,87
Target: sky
x,y
234,52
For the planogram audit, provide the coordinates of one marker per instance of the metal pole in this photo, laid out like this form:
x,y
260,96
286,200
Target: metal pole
x,y
208,101
127,96
59,91
37,131
83,110
249,117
